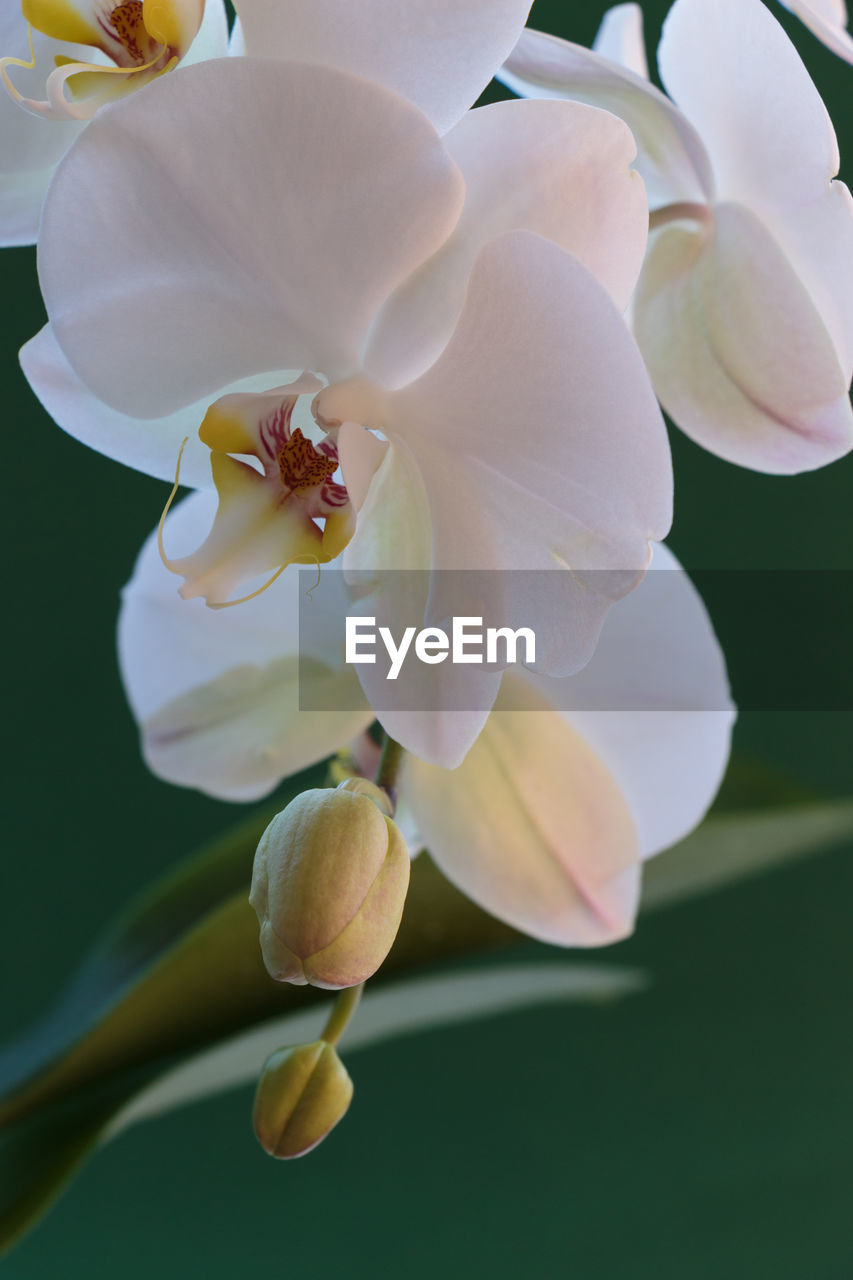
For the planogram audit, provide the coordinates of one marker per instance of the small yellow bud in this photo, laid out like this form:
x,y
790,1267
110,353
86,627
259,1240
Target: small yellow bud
x,y
329,882
302,1094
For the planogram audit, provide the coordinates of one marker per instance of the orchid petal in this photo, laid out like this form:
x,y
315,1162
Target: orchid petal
x,y
150,445
532,827
72,21
827,19
393,533
157,293
739,79
211,40
29,144
738,353
217,693
672,159
538,440
653,702
561,169
175,23
620,39
21,197
439,54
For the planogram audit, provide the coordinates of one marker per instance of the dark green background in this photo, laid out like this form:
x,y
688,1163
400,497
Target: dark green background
x,y
700,1130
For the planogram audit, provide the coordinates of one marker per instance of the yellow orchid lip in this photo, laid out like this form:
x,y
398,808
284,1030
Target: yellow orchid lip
x,y
141,38
270,518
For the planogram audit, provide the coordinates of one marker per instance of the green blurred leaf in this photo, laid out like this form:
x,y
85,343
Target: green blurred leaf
x,y
179,980
730,847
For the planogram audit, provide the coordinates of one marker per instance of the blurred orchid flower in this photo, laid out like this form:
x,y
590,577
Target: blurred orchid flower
x,y
548,819
458,303
827,19
744,310
63,61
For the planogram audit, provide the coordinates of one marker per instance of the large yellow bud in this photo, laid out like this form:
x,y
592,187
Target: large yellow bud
x,y
330,879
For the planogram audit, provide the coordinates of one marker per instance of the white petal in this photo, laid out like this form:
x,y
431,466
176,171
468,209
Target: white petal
x,y
439,54
740,81
30,147
27,142
739,356
231,245
671,159
149,445
736,75
532,827
212,39
620,38
21,198
654,703
146,444
217,693
393,533
561,169
538,440
828,20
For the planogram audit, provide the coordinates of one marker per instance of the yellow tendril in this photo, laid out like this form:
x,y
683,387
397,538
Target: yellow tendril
x,y
171,498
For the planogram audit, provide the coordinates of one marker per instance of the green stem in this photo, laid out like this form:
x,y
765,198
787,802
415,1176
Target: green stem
x,y
389,764
345,1006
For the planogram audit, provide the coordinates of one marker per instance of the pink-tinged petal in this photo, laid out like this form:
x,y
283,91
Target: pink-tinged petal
x,y
532,826
538,444
738,353
653,702
439,54
817,236
232,245
561,169
827,19
216,694
361,454
620,39
672,160
736,75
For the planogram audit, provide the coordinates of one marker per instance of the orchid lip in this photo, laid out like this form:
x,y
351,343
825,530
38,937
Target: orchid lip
x,y
288,509
121,32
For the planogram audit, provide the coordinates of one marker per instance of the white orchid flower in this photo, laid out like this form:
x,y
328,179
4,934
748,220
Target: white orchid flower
x,y
827,19
546,822
457,301
439,54
60,62
64,60
744,311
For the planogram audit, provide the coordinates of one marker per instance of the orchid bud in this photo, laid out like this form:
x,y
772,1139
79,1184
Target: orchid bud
x,y
302,1094
330,879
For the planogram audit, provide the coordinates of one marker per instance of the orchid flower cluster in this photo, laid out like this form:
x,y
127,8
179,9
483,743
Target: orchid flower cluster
x,y
378,329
